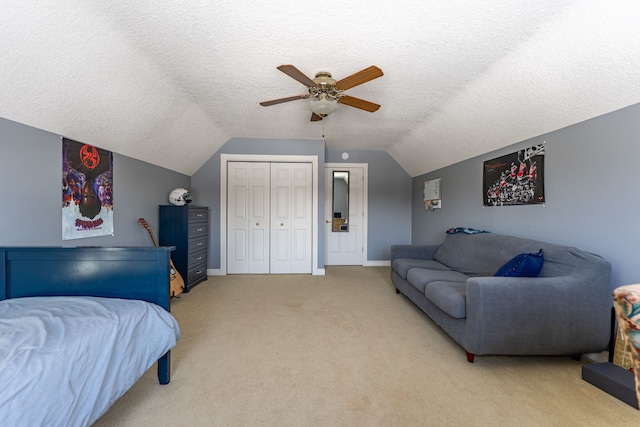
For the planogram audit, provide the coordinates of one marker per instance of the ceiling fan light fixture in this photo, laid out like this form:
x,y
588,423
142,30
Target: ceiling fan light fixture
x,y
323,106
325,93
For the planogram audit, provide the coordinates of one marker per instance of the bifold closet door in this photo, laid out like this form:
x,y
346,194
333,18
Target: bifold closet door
x,y
269,218
248,192
291,204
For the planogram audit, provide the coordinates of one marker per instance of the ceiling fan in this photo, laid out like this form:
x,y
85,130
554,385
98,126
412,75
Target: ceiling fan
x,y
325,93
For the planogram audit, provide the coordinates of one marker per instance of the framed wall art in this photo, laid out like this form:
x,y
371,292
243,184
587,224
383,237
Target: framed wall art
x,y
515,179
87,191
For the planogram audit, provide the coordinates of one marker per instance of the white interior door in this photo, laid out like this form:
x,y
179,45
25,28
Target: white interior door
x,y
291,218
346,247
248,227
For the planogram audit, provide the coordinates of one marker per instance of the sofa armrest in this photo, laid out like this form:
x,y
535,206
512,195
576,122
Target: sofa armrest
x,y
413,251
537,315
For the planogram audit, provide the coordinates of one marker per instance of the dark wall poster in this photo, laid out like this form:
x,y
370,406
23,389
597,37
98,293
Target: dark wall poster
x,y
87,191
515,179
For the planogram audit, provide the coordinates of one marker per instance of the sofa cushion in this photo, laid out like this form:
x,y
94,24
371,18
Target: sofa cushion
x,y
523,265
403,265
484,254
420,277
449,297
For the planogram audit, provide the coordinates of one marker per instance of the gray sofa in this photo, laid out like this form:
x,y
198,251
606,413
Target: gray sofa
x,y
565,310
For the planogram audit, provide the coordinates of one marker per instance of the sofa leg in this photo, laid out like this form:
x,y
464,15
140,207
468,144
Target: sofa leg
x,y
470,357
397,291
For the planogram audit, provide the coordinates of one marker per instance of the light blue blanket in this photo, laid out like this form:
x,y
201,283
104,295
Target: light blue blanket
x,y
65,360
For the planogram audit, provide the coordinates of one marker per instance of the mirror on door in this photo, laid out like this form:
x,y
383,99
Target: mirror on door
x,y
340,201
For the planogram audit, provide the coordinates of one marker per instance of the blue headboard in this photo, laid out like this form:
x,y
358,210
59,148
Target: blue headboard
x,y
119,272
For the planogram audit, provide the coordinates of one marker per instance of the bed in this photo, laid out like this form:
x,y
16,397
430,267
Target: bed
x,y
78,327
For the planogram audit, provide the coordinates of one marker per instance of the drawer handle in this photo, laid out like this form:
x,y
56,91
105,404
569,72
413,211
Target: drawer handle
x,y
199,229
198,258
199,272
199,244
199,215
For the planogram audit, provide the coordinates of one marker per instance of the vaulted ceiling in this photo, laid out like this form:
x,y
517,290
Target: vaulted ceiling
x,y
170,81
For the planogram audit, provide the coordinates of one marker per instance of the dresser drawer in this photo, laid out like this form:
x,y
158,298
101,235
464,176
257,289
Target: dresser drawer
x,y
198,229
197,274
197,244
198,215
197,258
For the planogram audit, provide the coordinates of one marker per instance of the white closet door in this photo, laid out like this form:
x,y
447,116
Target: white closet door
x,y
248,193
291,231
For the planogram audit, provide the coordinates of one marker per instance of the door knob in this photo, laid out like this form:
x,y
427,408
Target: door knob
x,y
328,221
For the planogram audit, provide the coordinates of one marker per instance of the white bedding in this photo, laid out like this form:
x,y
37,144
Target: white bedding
x,y
65,360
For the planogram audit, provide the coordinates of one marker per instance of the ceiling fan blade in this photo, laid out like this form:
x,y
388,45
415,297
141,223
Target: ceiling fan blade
x,y
358,78
281,100
359,103
294,73
315,117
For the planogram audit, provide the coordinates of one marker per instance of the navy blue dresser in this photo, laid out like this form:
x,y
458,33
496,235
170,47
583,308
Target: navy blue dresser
x,y
186,228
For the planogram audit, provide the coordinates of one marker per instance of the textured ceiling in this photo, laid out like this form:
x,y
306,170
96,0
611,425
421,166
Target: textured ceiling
x,y
170,81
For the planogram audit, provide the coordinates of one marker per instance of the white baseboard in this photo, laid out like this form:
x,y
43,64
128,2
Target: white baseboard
x,y
381,263
596,357
218,272
317,272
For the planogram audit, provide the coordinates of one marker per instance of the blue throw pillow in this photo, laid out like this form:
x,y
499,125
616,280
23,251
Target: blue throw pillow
x,y
523,265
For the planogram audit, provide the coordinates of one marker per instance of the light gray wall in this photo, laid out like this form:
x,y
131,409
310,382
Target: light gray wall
x,y
389,200
591,192
206,181
31,194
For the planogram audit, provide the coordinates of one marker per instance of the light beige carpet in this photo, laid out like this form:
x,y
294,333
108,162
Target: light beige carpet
x,y
345,350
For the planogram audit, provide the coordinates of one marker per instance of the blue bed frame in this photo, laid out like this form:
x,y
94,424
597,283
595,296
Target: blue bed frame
x,y
140,273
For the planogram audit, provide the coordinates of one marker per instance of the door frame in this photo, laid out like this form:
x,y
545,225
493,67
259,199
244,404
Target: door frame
x,y
365,202
226,158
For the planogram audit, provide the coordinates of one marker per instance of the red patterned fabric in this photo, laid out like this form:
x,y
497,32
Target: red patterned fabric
x,y
627,305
